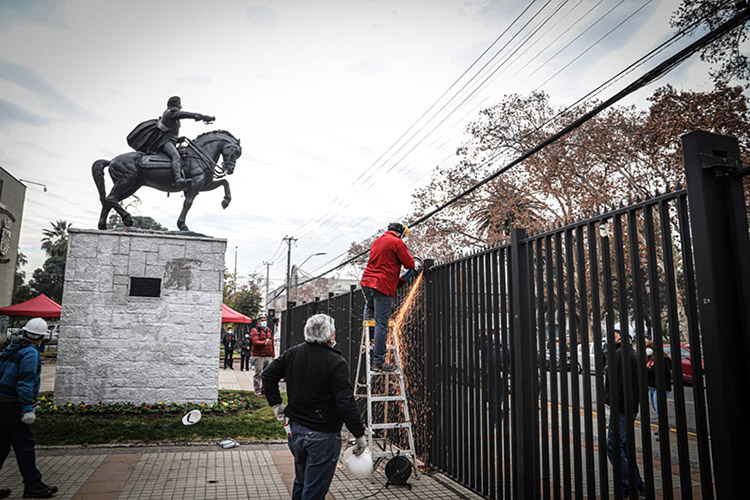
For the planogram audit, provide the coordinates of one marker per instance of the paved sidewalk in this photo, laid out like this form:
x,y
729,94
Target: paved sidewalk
x,y
252,471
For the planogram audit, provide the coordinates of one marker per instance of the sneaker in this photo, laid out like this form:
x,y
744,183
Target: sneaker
x,y
383,367
40,491
4,493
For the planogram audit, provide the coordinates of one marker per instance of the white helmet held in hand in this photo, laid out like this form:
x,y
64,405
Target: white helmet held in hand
x,y
358,466
35,328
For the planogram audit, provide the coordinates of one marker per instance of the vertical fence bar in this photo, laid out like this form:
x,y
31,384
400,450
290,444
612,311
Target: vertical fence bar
x,y
508,368
635,267
574,364
522,348
676,349
485,375
561,366
612,389
696,352
596,318
655,314
583,313
542,368
717,210
627,371
472,406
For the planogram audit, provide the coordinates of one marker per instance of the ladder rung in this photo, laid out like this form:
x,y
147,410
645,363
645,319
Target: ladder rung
x,y
397,372
388,398
390,425
379,454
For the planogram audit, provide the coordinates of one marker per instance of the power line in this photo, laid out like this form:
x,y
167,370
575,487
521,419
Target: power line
x,y
655,73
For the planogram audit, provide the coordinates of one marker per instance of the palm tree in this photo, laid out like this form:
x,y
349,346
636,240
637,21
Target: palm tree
x,y
55,241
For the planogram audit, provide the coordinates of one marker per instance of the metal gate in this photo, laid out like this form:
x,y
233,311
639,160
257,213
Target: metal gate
x,y
508,350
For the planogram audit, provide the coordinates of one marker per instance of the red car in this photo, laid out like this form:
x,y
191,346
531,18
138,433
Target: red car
x,y
687,367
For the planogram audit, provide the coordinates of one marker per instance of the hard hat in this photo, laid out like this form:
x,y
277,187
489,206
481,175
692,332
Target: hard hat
x,y
191,417
35,328
358,466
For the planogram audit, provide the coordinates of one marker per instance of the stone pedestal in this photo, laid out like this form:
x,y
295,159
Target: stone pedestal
x,y
141,318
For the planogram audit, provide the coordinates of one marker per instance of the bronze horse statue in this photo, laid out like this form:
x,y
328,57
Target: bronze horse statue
x,y
131,171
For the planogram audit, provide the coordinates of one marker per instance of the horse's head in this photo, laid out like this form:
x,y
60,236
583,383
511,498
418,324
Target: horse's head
x,y
230,151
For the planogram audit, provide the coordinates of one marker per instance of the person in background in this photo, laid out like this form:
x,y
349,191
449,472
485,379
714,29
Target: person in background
x,y
246,347
651,377
379,283
625,365
230,342
320,400
262,351
20,379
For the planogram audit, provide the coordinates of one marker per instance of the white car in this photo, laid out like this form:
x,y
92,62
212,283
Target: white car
x,y
592,357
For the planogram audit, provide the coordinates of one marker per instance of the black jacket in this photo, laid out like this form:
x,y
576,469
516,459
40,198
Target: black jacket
x,y
625,365
318,386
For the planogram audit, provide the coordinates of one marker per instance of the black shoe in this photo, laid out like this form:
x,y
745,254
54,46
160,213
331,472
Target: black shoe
x,y
40,491
383,367
4,493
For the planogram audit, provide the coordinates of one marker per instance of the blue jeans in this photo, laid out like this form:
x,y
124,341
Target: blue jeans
x,y
624,465
653,396
378,306
315,456
17,435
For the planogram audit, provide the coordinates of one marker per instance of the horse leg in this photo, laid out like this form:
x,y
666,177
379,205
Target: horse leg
x,y
121,190
227,194
190,195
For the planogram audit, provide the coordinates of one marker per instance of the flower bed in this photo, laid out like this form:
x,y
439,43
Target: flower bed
x,y
228,402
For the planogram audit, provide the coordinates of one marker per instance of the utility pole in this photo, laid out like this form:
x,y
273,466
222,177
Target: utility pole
x,y
268,268
289,240
234,286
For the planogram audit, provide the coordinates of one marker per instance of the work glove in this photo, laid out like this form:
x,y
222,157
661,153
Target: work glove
x,y
278,410
360,445
28,417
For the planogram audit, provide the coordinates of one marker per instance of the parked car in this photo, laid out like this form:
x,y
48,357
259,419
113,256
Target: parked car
x,y
687,366
592,356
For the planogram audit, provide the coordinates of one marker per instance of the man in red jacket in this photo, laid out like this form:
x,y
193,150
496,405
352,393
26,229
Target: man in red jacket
x,y
379,282
262,351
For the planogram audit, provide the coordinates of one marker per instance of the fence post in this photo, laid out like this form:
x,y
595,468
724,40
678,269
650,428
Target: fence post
x,y
522,369
288,324
350,312
722,265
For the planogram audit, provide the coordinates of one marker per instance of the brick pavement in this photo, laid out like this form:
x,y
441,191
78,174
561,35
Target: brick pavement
x,y
250,471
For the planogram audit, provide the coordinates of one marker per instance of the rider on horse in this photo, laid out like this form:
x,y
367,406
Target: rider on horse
x,y
160,135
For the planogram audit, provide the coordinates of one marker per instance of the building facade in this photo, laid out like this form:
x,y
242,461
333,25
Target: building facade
x,y
12,196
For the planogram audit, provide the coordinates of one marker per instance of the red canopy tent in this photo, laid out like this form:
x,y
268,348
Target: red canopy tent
x,y
229,315
40,306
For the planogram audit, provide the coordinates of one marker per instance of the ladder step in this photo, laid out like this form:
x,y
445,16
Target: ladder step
x,y
378,454
391,425
388,398
397,372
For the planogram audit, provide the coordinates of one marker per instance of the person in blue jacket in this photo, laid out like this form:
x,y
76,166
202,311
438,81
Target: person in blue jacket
x,y
20,378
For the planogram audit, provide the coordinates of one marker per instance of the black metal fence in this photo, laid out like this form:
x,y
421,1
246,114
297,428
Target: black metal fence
x,y
509,350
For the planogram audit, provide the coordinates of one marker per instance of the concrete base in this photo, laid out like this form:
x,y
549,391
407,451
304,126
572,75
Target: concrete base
x,y
118,346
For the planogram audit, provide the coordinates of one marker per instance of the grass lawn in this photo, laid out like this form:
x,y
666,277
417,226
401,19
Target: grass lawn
x,y
257,421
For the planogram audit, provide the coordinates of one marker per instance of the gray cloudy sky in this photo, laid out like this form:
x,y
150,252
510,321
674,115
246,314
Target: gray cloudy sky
x,y
317,90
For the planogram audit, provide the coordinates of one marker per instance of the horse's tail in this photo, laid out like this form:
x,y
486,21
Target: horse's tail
x,y
97,170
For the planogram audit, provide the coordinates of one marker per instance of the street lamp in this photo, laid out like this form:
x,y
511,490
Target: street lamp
x,y
303,262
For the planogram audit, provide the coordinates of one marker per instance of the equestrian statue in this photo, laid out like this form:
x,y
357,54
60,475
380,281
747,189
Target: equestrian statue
x,y
161,162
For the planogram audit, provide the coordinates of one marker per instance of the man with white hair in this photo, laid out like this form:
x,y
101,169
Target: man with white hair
x,y
320,399
20,379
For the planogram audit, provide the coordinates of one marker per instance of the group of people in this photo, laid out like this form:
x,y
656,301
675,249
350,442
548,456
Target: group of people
x,y
625,366
256,348
319,389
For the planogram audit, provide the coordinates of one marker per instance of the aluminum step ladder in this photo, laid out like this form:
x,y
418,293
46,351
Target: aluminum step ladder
x,y
393,391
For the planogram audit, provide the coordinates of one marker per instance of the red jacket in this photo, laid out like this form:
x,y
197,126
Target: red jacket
x,y
387,254
258,336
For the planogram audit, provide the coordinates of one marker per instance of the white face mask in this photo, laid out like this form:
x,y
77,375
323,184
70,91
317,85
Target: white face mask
x,y
263,324
649,351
